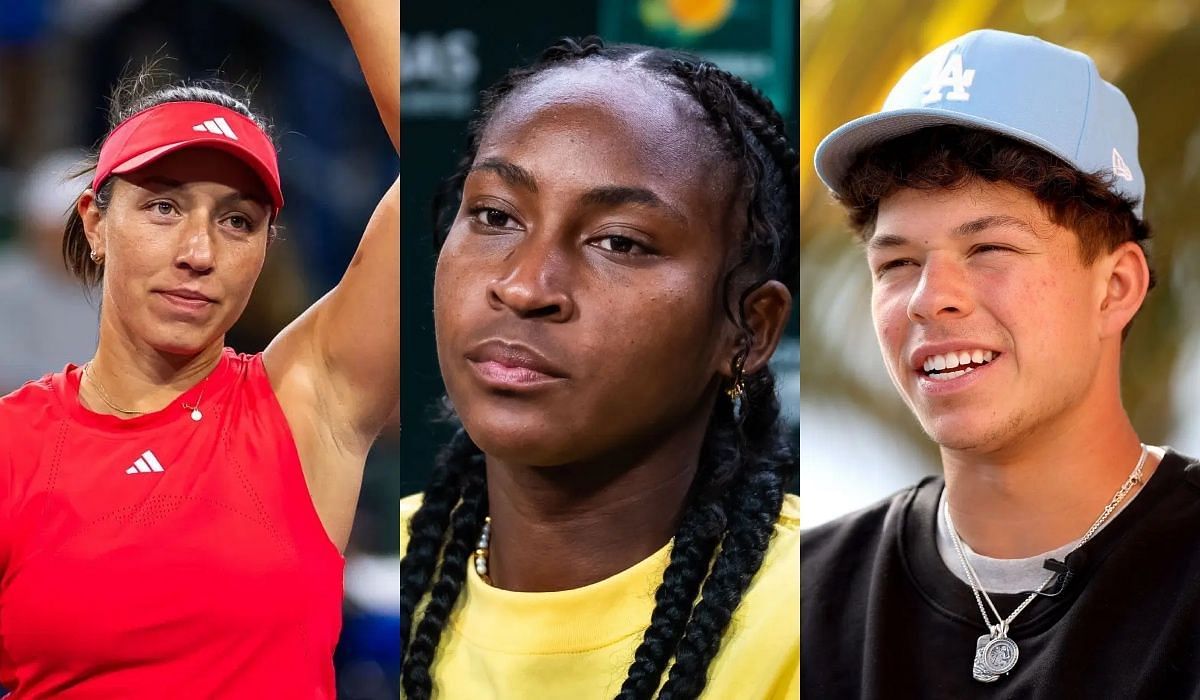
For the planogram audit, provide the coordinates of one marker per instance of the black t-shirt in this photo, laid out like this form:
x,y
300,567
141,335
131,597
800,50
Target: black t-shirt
x,y
882,616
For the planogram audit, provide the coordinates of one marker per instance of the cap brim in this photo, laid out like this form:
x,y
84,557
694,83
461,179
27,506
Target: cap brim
x,y
219,143
837,152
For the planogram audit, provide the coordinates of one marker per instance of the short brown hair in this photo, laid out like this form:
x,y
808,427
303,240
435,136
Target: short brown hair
x,y
948,157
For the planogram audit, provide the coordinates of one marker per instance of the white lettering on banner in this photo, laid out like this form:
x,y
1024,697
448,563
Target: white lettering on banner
x,y
949,75
438,73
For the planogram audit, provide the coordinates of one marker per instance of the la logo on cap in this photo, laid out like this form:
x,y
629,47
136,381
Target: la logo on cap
x,y
949,75
216,126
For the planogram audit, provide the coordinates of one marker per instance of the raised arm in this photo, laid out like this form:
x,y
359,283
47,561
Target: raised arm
x,y
336,369
374,29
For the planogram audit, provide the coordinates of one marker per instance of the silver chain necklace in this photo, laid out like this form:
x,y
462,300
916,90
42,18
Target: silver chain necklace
x,y
995,653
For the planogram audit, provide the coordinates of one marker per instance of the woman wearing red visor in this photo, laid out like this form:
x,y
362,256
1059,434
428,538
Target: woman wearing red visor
x,y
171,512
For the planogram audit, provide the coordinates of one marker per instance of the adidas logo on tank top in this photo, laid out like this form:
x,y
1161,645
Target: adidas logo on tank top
x,y
145,464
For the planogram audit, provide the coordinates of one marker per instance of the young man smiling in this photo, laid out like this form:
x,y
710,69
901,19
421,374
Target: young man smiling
x,y
999,199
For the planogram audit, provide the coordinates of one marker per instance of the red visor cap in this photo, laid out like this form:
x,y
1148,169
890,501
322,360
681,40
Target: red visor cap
x,y
155,132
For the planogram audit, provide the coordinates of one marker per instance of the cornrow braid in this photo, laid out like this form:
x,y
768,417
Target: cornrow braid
x,y
752,128
566,49
745,460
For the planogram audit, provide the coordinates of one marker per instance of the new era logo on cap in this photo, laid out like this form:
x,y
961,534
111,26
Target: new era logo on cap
x,y
1120,168
216,126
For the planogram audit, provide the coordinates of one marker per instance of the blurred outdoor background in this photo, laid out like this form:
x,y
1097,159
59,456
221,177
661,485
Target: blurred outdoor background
x,y
859,442
58,61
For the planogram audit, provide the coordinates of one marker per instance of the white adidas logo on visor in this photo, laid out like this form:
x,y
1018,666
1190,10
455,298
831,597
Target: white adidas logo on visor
x,y
216,126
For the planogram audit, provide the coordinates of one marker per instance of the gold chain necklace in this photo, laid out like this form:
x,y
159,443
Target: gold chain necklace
x,y
87,372
194,408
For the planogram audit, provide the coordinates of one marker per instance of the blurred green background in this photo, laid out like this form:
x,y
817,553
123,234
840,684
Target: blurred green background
x,y
858,440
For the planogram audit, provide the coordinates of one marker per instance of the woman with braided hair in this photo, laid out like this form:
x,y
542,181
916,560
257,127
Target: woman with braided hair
x,y
618,254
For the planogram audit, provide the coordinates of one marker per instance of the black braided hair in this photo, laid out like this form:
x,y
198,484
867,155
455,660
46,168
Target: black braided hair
x,y
465,526
428,525
745,459
751,507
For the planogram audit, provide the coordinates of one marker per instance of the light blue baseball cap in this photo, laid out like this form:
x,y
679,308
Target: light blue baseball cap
x,y
1018,86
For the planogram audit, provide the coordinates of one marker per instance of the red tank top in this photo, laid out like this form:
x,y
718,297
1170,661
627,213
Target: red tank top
x,y
162,557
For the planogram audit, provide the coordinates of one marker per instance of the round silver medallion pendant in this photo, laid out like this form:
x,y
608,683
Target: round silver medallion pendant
x,y
1000,655
196,414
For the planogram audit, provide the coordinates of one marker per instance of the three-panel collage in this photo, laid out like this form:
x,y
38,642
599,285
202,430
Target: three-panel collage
x,y
676,349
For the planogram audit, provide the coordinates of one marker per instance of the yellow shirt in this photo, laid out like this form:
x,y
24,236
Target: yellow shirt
x,y
578,644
